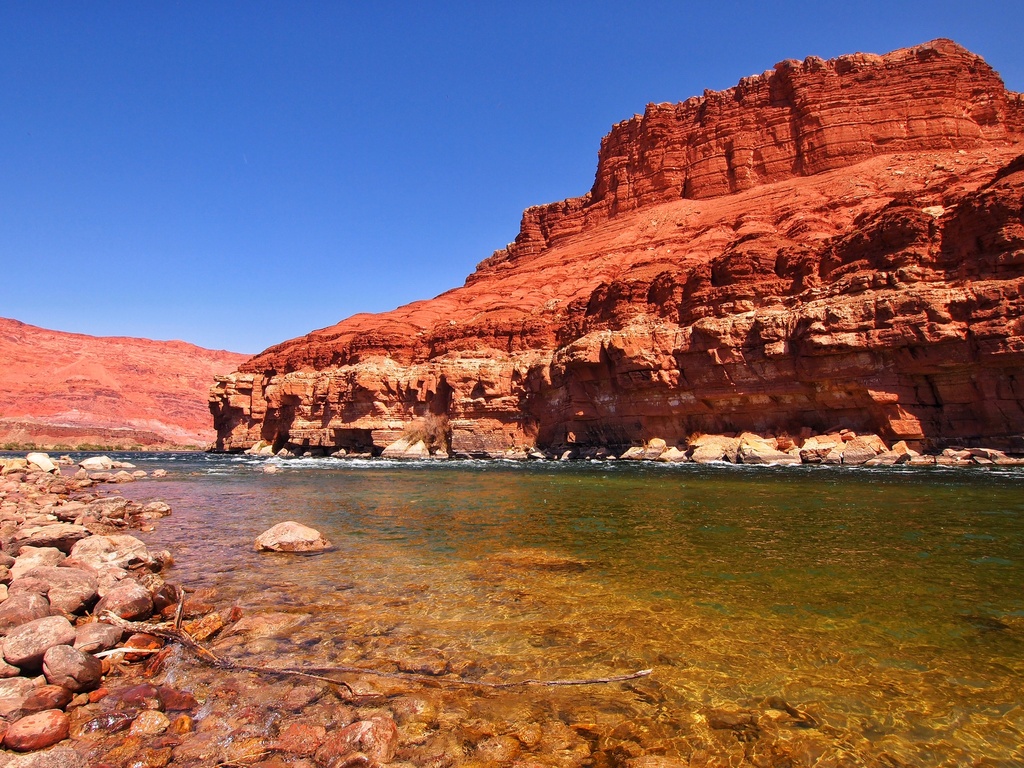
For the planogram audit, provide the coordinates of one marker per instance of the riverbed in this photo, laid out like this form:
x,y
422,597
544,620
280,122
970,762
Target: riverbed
x,y
790,615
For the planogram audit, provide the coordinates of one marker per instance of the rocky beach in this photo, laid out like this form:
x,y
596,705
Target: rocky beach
x,y
83,683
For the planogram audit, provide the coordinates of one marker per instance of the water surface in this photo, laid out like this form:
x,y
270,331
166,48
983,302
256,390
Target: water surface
x,y
842,617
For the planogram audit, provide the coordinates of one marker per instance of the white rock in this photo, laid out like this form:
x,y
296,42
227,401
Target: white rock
x,y
97,463
44,462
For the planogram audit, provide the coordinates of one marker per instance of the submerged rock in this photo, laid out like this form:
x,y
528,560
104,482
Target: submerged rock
x,y
290,536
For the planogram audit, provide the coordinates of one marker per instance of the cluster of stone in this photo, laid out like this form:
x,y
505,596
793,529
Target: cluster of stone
x,y
64,562
840,447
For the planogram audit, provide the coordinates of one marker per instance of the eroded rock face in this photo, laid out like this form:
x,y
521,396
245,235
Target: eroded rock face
x,y
65,388
829,244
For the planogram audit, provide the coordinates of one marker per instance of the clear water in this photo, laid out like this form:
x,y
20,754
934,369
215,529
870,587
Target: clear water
x,y
885,607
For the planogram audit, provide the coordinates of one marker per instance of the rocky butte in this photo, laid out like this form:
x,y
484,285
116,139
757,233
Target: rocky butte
x,y
69,389
830,244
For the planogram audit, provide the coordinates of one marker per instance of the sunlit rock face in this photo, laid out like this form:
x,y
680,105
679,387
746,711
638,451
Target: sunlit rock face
x,y
829,244
64,389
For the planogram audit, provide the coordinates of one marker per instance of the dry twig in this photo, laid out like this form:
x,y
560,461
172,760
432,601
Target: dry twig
x,y
320,673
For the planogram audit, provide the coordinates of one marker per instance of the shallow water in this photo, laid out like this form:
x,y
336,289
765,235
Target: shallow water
x,y
835,617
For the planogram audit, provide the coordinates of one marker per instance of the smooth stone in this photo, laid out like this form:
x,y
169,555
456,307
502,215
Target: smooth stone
x,y
155,509
44,462
56,757
97,636
96,463
174,700
37,731
70,590
112,507
70,668
14,692
377,738
31,557
46,697
63,536
120,550
21,609
291,537
128,600
25,646
150,722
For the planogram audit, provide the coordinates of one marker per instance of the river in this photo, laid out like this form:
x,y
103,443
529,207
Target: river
x,y
790,615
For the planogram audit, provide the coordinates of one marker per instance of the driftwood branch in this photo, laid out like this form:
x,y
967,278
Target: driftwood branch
x,y
181,637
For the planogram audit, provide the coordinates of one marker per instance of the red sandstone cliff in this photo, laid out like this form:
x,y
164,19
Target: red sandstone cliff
x,y
69,389
830,243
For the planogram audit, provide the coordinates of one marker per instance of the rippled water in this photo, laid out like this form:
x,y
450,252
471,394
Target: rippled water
x,y
835,617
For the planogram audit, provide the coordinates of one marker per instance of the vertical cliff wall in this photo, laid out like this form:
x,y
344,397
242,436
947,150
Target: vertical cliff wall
x,y
830,243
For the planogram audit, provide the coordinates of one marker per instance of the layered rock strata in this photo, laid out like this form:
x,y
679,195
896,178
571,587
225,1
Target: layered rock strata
x,y
829,245
68,389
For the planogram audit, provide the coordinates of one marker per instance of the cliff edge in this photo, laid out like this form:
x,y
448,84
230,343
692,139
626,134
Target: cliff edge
x,y
828,244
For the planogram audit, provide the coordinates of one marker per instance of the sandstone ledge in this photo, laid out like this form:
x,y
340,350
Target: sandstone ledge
x,y
831,243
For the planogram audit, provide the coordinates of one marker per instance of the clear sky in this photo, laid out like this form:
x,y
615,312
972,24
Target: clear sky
x,y
234,174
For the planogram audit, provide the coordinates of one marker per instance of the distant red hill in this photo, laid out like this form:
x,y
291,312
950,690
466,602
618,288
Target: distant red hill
x,y
68,389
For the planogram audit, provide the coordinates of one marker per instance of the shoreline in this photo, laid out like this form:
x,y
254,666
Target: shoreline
x,y
99,686
835,448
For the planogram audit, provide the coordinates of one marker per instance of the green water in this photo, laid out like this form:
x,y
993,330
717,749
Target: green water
x,y
884,608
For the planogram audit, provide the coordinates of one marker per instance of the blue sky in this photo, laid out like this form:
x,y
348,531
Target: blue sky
x,y
236,174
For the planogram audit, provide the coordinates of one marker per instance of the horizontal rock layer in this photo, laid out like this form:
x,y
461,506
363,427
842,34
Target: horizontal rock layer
x,y
830,244
70,389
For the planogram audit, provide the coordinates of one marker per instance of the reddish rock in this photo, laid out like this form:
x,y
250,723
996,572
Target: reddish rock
x,y
300,739
150,722
143,696
25,646
119,550
60,388
128,600
46,697
70,668
22,608
38,731
174,700
14,692
376,738
62,536
69,590
828,243
97,636
143,642
30,557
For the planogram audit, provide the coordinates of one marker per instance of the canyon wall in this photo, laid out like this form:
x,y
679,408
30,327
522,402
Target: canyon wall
x,y
69,389
828,244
